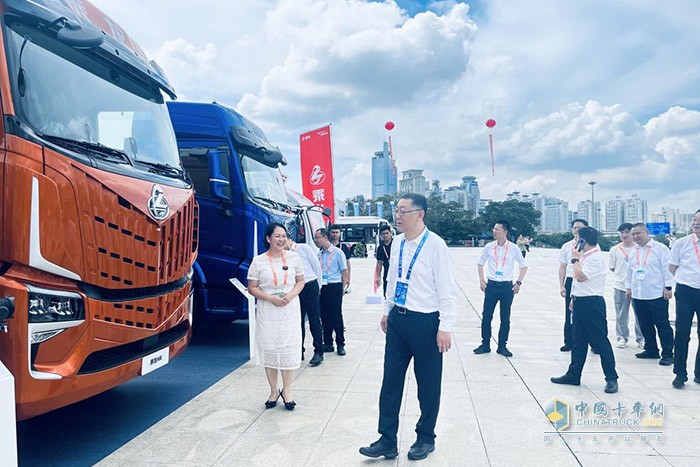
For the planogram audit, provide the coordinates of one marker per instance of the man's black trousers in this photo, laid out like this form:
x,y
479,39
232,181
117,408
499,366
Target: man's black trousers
x,y
496,292
653,318
590,327
687,306
410,335
332,314
311,308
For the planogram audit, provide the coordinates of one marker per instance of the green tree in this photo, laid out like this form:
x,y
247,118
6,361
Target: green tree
x,y
523,217
451,221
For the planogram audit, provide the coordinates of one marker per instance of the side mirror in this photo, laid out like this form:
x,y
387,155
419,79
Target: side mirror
x,y
327,212
7,307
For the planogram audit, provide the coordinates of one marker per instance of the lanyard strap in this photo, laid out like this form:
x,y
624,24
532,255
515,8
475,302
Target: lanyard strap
x,y
284,266
495,253
646,257
584,257
385,253
415,255
623,251
695,245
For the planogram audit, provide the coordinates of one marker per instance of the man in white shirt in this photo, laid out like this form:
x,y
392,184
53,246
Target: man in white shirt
x,y
685,266
588,311
566,277
499,256
309,298
618,262
650,286
418,316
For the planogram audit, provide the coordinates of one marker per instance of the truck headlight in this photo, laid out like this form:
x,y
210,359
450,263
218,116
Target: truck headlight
x,y
48,306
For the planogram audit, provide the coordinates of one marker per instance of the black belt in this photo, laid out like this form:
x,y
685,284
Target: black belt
x,y
587,297
501,282
403,310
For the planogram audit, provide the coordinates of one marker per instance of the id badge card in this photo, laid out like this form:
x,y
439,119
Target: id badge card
x,y
324,279
278,292
400,294
640,274
499,274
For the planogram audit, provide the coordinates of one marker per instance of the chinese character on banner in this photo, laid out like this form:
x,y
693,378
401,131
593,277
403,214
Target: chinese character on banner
x,y
619,409
581,408
318,195
656,409
637,409
316,163
600,409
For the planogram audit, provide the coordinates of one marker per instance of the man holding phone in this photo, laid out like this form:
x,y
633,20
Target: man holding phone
x,y
566,277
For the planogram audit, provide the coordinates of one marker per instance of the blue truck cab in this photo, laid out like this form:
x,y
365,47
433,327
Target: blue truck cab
x,y
240,189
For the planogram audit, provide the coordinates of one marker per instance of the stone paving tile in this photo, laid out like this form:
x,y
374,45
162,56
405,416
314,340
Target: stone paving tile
x,y
492,410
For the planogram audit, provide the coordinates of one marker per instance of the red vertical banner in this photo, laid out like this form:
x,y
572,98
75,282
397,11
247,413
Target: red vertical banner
x,y
317,167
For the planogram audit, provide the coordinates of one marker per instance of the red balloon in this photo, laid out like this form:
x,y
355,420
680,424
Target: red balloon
x,y
490,123
389,125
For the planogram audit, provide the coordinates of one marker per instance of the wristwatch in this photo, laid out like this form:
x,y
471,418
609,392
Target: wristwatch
x,y
519,282
574,260
668,288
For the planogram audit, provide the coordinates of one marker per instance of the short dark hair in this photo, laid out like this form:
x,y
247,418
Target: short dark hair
x,y
697,211
505,225
589,235
384,227
270,229
418,201
324,232
640,224
333,227
624,226
583,221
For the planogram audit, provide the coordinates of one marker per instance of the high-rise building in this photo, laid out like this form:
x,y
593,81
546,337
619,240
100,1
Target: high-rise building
x,y
413,181
673,217
636,210
556,216
455,194
384,176
473,195
614,213
585,211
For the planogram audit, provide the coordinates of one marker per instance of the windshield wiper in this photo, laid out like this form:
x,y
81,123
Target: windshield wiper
x,y
91,149
269,201
164,169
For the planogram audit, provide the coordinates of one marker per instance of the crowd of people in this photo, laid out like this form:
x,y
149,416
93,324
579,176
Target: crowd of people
x,y
294,282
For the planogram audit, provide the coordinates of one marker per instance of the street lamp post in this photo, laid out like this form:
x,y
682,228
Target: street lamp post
x,y
594,217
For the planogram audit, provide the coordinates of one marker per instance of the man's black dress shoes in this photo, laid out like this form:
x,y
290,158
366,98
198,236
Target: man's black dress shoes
x,y
646,354
316,359
379,449
679,382
341,350
565,379
666,361
504,351
328,348
565,348
420,450
611,387
482,349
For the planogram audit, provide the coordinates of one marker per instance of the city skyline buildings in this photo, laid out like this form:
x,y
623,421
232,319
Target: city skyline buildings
x,y
384,173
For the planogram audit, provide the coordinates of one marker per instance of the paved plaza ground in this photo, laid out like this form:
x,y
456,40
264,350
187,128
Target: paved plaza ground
x,y
492,410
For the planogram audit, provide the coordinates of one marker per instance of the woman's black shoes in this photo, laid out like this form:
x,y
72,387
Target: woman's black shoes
x,y
270,404
288,405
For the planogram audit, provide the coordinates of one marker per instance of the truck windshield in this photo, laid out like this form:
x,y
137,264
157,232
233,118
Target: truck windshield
x,y
67,93
263,182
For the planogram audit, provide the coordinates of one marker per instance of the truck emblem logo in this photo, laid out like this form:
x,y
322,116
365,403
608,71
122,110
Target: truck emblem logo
x,y
157,204
317,176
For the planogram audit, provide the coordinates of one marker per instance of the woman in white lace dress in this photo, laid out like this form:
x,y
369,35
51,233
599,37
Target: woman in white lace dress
x,y
275,278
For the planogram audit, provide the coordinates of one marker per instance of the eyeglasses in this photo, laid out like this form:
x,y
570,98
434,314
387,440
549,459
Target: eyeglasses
x,y
403,212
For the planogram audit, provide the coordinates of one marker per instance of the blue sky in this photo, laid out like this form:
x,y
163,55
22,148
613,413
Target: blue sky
x,y
596,90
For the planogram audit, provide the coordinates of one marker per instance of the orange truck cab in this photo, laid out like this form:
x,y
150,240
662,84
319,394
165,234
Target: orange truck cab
x,y
98,225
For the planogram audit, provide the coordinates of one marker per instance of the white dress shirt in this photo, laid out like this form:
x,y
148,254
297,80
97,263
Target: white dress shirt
x,y
593,267
432,284
655,271
619,260
501,259
565,257
687,258
312,267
